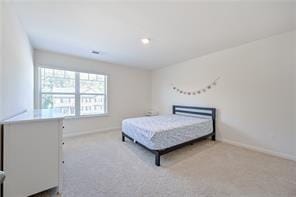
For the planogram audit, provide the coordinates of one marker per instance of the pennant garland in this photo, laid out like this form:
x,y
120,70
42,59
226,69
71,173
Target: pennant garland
x,y
200,91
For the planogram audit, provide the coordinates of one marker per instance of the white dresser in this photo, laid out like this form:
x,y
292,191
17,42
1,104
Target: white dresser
x,y
31,153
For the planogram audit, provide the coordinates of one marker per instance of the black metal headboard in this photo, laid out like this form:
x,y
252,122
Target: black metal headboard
x,y
203,111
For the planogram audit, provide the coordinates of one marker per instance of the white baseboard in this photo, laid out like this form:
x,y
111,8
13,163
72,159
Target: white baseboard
x,y
258,149
79,133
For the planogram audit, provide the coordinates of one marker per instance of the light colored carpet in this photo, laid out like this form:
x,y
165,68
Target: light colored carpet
x,y
102,165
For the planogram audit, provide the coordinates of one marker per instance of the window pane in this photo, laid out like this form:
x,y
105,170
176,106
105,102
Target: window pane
x,y
92,104
53,80
60,102
92,83
58,92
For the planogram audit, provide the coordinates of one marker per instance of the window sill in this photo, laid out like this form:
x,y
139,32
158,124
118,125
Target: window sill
x,y
87,116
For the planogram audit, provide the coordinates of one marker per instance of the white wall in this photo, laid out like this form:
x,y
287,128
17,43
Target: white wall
x,y
129,90
17,66
254,97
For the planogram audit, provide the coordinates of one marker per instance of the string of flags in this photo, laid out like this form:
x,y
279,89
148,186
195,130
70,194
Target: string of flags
x,y
196,92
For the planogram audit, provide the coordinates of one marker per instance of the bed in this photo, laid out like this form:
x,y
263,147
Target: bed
x,y
165,133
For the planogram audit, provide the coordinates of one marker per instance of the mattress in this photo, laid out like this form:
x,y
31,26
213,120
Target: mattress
x,y
160,132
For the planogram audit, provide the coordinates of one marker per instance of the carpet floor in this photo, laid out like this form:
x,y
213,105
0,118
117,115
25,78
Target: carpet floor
x,y
101,165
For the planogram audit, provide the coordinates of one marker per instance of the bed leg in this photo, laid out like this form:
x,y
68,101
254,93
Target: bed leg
x,y
122,137
157,158
214,137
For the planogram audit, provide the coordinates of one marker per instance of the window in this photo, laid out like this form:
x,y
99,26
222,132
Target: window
x,y
72,93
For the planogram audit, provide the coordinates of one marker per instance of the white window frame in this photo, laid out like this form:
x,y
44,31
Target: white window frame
x,y
77,94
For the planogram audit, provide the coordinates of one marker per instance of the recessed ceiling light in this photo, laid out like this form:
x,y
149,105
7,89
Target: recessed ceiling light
x,y
95,52
145,40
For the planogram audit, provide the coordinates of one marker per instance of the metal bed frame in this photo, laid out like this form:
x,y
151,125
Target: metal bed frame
x,y
178,109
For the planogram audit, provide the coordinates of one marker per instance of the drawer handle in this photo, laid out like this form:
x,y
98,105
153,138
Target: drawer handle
x,y
63,143
63,161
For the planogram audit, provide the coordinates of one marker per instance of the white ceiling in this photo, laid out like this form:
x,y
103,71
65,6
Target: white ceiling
x,y
178,31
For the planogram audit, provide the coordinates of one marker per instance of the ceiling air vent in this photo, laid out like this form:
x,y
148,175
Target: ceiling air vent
x,y
95,52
